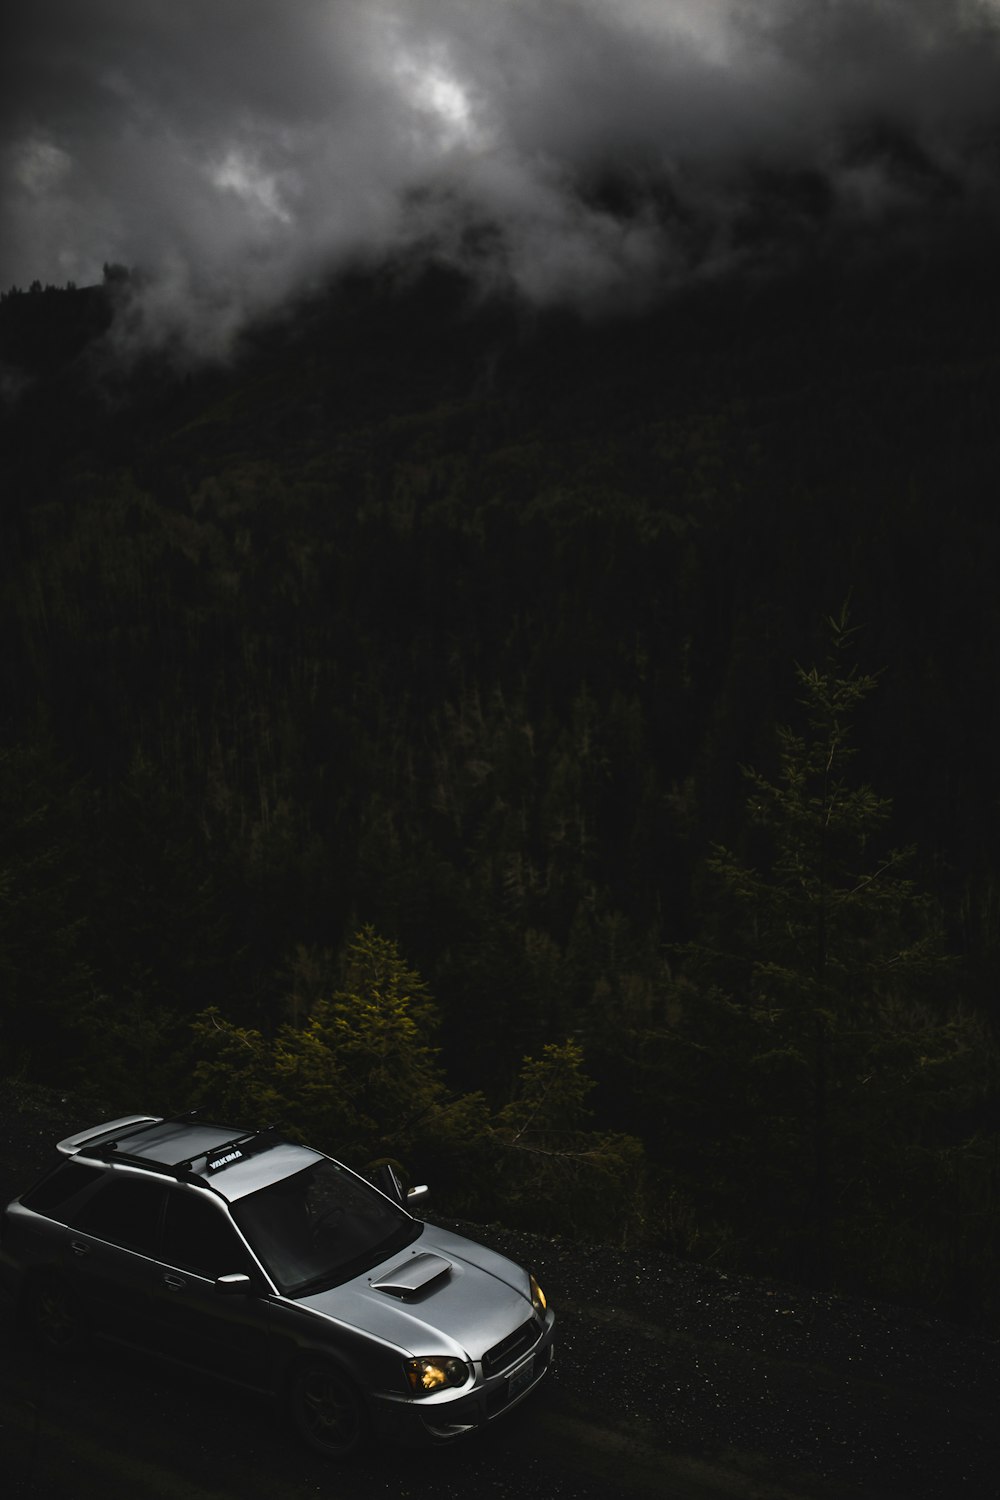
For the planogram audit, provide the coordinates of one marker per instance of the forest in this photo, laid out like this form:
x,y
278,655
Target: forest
x,y
555,753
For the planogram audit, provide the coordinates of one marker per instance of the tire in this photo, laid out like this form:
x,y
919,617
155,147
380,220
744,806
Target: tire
x,y
327,1410
52,1316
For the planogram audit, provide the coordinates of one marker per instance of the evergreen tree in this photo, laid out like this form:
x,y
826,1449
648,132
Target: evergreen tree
x,y
359,1077
359,1073
830,923
555,1173
812,1040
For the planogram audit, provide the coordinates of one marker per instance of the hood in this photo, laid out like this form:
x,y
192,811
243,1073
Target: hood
x,y
463,1310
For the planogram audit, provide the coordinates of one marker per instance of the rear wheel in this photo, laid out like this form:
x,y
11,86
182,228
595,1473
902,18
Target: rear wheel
x,y
327,1411
53,1316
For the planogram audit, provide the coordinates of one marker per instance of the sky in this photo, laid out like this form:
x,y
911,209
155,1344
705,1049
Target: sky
x,y
581,151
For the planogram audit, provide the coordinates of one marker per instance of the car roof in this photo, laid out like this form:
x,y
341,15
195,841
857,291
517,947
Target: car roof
x,y
234,1162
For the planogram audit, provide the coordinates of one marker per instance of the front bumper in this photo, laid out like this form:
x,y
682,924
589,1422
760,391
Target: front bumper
x,y
451,1414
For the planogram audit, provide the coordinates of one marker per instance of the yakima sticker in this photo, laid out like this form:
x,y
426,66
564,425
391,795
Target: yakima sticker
x,y
215,1163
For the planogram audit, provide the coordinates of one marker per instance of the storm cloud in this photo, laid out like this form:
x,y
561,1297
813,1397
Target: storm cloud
x,y
571,150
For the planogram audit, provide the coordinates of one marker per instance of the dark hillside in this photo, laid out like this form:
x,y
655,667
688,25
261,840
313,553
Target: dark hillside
x,y
429,613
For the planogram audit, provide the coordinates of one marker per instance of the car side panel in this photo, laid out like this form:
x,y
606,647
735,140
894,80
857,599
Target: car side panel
x,y
302,1335
225,1334
113,1285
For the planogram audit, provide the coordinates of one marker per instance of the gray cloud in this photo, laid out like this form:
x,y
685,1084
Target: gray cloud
x,y
575,149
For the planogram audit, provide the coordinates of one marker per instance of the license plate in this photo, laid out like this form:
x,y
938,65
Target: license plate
x,y
521,1380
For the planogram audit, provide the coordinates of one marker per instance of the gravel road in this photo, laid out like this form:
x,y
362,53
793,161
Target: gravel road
x,y
671,1379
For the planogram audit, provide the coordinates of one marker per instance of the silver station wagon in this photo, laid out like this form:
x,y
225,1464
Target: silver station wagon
x,y
279,1269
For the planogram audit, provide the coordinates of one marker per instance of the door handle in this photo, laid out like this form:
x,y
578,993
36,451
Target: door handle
x,y
174,1283
79,1248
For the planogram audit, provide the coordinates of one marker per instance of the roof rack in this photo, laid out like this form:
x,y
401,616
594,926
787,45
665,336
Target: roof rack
x,y
238,1149
249,1143
130,1159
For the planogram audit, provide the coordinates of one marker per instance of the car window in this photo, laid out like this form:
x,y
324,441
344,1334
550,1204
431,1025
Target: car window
x,y
125,1211
54,1195
197,1236
322,1226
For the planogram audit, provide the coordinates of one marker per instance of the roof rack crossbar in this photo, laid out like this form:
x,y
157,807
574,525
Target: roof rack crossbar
x,y
130,1159
247,1144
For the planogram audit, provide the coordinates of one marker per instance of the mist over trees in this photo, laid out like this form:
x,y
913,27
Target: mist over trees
x,y
554,754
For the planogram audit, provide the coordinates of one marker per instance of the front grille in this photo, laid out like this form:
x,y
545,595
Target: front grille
x,y
497,1399
508,1349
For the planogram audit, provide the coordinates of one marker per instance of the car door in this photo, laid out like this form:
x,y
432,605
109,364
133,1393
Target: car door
x,y
195,1323
110,1249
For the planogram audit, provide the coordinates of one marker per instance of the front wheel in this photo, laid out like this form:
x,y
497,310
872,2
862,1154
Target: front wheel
x,y
327,1410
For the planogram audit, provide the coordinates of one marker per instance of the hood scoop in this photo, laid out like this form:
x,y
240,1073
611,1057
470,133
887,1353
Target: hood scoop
x,y
413,1276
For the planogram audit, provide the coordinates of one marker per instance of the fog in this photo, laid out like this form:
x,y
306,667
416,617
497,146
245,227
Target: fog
x,y
581,151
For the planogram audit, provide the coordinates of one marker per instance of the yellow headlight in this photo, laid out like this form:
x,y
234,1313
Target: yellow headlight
x,y
427,1375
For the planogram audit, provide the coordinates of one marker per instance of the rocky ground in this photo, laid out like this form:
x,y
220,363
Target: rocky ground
x,y
672,1378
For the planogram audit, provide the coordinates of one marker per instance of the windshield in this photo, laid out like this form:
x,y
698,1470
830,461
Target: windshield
x,y
321,1227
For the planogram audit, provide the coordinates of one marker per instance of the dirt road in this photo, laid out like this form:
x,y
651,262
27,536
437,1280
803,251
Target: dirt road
x,y
750,1393
671,1379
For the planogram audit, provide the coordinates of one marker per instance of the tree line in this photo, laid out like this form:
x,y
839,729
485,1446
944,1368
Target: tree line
x,y
420,654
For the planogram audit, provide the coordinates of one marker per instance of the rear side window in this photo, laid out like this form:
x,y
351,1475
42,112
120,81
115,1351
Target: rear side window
x,y
54,1195
126,1212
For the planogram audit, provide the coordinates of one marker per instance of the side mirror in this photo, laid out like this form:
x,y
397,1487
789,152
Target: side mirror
x,y
236,1285
386,1178
388,1181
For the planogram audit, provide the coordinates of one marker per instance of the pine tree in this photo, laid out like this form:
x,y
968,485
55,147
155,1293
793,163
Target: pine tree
x,y
556,1174
814,1044
829,922
358,1074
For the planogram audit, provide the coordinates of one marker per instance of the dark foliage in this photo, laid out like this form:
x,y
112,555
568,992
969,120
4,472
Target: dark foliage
x,y
429,614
